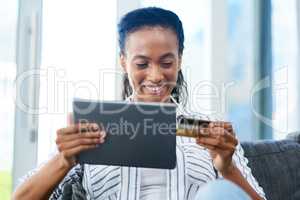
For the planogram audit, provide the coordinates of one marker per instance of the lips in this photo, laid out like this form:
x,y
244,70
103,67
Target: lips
x,y
157,90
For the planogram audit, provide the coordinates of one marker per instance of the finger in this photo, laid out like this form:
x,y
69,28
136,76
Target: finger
x,y
207,146
222,135
215,124
219,148
79,142
70,137
67,130
221,132
226,125
204,132
212,149
217,142
210,141
74,151
217,131
230,138
86,127
213,132
102,134
75,128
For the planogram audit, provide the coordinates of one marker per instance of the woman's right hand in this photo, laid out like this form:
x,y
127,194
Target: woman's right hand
x,y
70,141
75,138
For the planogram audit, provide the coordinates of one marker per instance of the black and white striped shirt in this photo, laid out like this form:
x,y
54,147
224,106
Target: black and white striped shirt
x,y
194,168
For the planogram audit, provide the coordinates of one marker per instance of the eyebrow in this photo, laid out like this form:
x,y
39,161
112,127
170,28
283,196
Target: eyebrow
x,y
140,57
167,55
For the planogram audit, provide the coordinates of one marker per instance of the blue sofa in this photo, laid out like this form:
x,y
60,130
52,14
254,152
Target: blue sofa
x,y
276,166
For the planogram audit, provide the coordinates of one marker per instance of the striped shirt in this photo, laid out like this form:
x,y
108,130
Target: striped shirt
x,y
194,168
153,184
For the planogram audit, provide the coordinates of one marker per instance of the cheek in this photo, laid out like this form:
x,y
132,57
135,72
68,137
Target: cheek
x,y
136,78
171,75
172,79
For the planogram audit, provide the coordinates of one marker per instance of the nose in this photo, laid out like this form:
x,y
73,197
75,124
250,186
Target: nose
x,y
155,74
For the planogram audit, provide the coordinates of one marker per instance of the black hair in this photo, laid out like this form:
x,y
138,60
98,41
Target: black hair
x,y
152,17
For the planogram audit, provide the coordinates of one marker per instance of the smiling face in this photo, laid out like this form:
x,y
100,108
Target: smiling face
x,y
152,61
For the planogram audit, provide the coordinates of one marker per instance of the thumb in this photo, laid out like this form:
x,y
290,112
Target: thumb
x,y
70,119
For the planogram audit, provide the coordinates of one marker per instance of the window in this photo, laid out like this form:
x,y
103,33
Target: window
x,y
8,24
285,67
194,15
78,60
241,67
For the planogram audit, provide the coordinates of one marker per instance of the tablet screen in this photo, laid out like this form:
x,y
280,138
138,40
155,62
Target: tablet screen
x,y
138,134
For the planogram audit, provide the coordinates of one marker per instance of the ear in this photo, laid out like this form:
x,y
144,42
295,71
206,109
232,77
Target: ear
x,y
122,60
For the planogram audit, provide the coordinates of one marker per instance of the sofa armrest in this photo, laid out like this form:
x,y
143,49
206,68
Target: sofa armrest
x,y
294,136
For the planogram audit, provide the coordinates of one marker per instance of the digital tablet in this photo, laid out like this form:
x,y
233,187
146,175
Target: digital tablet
x,y
138,134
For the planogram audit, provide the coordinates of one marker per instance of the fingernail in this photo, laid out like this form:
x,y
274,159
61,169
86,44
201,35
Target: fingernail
x,y
102,134
95,127
201,131
101,140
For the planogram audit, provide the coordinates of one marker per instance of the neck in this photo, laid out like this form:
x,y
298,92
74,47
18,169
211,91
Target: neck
x,y
137,98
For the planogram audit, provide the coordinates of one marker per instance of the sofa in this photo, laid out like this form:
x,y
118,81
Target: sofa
x,y
276,166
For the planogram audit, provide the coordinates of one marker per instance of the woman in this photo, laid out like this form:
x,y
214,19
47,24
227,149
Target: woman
x,y
151,46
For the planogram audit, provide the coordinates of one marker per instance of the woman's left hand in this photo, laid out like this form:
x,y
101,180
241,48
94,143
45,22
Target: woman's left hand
x,y
220,140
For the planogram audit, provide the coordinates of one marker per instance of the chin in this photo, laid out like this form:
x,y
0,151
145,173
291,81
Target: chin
x,y
153,98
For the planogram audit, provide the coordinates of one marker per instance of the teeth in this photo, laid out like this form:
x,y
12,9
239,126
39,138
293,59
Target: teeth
x,y
155,89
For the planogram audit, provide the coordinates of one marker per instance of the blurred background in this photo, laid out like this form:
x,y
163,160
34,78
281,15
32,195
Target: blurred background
x,y
241,62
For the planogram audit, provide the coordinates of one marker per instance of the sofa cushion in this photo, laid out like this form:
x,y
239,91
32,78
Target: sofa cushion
x,y
276,166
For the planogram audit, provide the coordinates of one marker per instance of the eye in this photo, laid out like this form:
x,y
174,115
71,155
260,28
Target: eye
x,y
166,64
142,65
